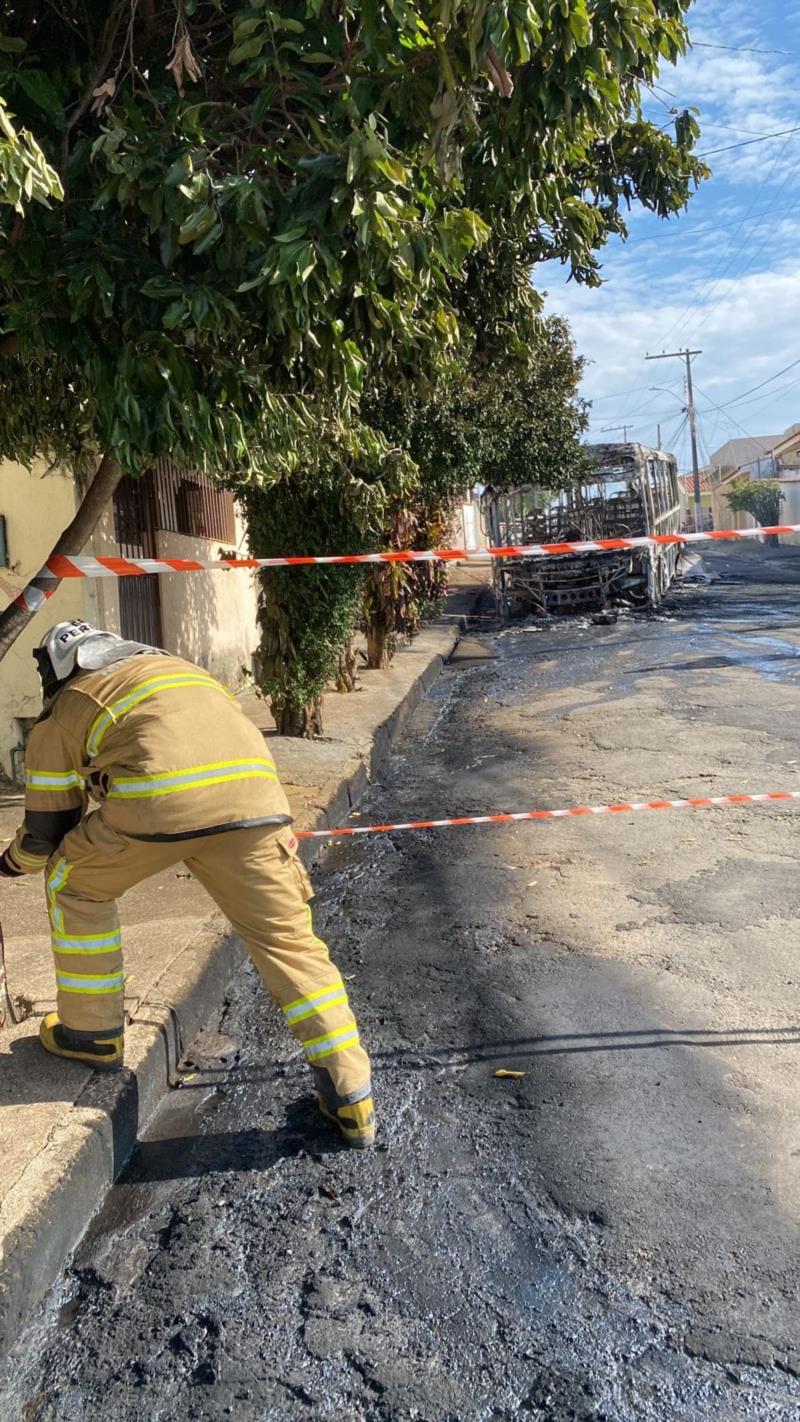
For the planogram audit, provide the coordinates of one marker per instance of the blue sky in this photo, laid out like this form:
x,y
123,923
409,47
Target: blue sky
x,y
725,276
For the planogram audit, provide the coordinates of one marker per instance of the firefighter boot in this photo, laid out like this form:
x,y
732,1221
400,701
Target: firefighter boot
x,y
104,1053
354,1114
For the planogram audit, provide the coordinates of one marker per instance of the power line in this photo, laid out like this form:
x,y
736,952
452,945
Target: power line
x,y
742,48
739,398
734,128
779,133
618,394
676,230
703,445
728,417
651,415
765,401
686,355
677,432
641,409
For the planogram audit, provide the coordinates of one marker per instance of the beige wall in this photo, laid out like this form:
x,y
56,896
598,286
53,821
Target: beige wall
x,y
102,594
790,508
209,618
723,515
686,498
36,506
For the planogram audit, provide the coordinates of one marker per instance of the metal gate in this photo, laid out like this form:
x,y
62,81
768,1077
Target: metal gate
x,y
134,525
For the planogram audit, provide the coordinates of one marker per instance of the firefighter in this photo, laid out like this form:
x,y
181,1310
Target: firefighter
x,y
177,772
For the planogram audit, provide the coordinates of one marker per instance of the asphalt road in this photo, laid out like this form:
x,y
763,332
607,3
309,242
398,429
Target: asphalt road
x,y
613,1237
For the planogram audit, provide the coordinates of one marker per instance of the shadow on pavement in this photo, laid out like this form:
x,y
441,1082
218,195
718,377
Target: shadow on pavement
x,y
567,1043
217,1152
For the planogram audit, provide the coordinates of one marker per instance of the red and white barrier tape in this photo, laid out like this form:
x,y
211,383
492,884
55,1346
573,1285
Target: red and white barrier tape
x,y
61,566
698,802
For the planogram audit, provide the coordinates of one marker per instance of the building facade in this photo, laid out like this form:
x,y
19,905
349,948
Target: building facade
x,y
209,618
754,458
686,496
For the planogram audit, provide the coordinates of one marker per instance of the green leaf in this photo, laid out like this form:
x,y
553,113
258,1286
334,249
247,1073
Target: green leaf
x,y
213,235
247,26
179,171
248,50
11,44
263,103
197,225
580,25
40,89
174,315
162,288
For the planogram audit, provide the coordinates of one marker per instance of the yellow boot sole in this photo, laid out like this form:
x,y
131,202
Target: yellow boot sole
x,y
109,1061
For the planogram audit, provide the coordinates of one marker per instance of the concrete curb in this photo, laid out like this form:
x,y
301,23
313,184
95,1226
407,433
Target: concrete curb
x,y
48,1210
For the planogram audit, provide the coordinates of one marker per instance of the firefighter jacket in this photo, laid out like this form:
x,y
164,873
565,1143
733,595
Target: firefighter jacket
x,y
163,746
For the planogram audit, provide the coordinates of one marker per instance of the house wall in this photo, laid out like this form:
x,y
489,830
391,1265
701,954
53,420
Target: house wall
x,y
687,505
102,594
37,506
790,508
723,515
209,618
760,468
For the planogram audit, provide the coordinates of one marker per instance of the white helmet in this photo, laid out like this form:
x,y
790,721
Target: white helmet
x,y
78,646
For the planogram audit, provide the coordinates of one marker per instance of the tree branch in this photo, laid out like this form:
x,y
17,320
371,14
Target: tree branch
x,y
110,32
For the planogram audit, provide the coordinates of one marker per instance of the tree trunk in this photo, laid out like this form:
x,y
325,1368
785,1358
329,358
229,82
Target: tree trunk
x,y
378,651
304,721
15,618
346,671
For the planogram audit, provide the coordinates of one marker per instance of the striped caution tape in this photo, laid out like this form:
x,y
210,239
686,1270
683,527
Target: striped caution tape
x,y
697,802
32,598
62,566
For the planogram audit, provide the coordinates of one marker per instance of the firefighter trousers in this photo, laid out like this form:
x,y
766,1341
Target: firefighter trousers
x,y
255,877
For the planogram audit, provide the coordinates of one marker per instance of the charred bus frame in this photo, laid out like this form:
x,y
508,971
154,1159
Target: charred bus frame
x,y
631,491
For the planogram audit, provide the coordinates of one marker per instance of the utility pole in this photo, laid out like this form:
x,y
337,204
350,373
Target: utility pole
x,y
658,438
690,410
609,429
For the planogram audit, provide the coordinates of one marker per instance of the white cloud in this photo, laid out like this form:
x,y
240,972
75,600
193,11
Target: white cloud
x,y
744,340
724,277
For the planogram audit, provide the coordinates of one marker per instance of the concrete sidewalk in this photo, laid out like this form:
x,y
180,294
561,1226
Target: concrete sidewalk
x,y
66,1132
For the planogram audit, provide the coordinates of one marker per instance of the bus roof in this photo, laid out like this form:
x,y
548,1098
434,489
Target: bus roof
x,y
631,456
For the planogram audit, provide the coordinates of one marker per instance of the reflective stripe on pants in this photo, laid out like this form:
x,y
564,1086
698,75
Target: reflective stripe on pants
x,y
85,936
257,880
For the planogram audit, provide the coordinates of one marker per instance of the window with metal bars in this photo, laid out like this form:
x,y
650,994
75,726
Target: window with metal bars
x,y
189,503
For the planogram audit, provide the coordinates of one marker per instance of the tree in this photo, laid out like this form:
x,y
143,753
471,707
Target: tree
x,y
261,205
761,498
509,414
307,615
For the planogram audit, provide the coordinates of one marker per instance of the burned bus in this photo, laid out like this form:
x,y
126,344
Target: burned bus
x,y
629,492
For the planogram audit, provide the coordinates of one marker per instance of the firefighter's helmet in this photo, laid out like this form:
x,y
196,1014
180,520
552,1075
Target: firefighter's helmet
x,y
75,646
